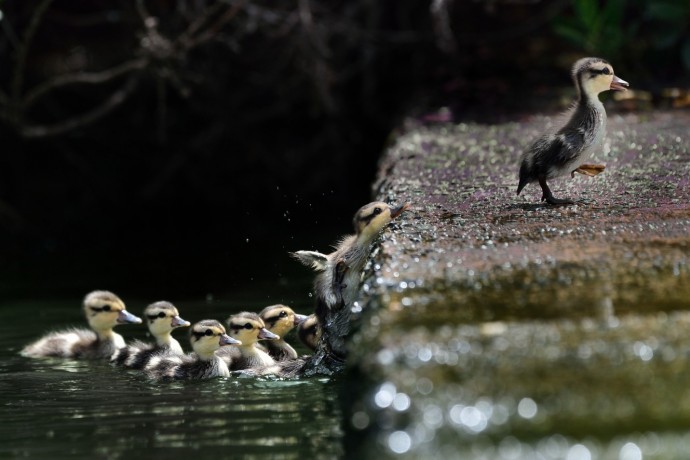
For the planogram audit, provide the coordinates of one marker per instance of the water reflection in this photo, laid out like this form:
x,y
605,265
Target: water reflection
x,y
601,387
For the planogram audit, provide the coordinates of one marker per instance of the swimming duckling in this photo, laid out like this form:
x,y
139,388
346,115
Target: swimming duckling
x,y
161,317
309,332
207,337
280,319
337,284
565,152
104,310
248,328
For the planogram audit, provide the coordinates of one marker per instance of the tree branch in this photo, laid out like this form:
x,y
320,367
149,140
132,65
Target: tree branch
x,y
115,99
23,51
91,78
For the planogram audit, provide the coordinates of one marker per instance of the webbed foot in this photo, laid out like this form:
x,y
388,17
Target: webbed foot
x,y
557,201
548,196
590,170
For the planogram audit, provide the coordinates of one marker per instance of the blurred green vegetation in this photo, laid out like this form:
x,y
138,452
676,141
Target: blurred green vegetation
x,y
652,37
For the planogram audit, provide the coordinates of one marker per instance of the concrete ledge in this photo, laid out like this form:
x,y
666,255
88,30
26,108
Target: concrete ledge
x,y
481,300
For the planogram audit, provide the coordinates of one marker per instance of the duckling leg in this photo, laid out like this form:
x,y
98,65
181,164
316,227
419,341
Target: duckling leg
x,y
548,196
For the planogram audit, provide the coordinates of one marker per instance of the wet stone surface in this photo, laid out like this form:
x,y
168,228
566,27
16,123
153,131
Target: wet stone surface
x,y
494,326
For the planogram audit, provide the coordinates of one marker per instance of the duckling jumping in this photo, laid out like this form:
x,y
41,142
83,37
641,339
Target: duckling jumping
x,y
248,328
565,152
206,337
104,310
280,319
337,284
162,318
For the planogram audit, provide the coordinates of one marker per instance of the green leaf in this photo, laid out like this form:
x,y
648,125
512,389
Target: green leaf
x,y
587,11
612,12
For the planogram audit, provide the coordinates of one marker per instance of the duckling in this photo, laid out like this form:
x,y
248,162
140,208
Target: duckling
x,y
337,284
565,152
248,328
104,310
280,319
309,332
207,337
161,317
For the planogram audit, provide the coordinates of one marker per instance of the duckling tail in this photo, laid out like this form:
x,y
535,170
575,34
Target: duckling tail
x,y
521,185
525,176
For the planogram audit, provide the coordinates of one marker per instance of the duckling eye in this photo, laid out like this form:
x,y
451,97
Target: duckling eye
x,y
283,314
105,308
161,314
248,326
377,211
606,71
208,332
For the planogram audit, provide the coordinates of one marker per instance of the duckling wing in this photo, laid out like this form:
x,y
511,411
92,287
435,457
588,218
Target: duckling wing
x,y
229,355
138,354
549,155
313,259
61,344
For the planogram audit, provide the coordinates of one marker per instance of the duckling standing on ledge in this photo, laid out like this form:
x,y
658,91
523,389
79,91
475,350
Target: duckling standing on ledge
x,y
207,337
248,328
280,320
565,152
161,317
104,310
337,284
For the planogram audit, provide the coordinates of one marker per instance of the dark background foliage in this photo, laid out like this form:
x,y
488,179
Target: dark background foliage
x,y
187,145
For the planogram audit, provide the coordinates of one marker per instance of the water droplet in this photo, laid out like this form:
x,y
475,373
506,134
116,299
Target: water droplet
x,y
527,408
360,420
630,451
579,452
384,397
401,402
399,442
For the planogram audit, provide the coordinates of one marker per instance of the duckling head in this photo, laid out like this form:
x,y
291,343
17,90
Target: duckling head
x,y
162,317
207,336
249,328
280,319
370,219
309,331
104,310
595,75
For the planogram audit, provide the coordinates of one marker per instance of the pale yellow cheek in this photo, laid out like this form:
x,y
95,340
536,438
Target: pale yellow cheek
x,y
604,83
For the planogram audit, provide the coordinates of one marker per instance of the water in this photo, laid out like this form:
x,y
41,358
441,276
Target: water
x,y
54,408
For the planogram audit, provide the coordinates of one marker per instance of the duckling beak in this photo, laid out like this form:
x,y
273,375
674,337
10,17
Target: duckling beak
x,y
299,319
225,339
618,84
395,212
124,317
179,322
265,334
